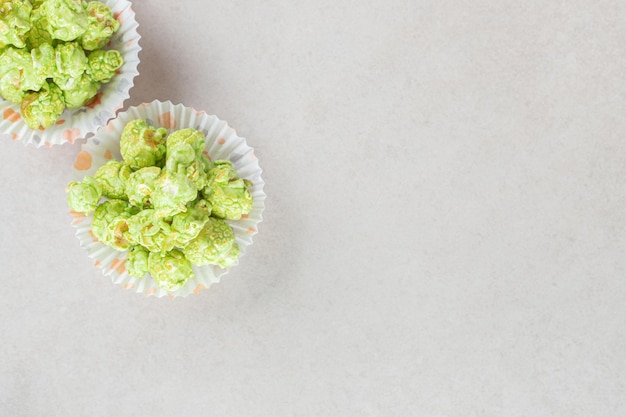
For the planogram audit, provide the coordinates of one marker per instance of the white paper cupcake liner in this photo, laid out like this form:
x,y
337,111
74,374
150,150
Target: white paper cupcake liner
x,y
83,122
222,142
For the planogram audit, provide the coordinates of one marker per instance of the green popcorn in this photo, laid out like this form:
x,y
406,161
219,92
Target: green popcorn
x,y
14,22
100,27
189,136
38,34
43,67
215,245
71,63
14,63
142,145
197,174
110,224
186,137
43,108
228,194
194,170
179,156
184,154
103,65
113,177
170,270
137,261
173,191
21,71
151,232
80,92
189,223
83,196
201,180
66,19
207,164
141,185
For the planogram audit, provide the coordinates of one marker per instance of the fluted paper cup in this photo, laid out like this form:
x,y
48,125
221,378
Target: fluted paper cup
x,y
222,142
84,121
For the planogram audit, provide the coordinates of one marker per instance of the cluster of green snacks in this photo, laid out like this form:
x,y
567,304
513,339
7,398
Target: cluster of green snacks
x,y
51,56
166,204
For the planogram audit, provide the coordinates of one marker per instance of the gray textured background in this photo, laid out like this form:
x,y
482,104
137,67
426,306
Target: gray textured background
x,y
444,233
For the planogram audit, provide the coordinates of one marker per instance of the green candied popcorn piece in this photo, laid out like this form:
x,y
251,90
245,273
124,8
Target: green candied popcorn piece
x,y
44,107
67,19
13,65
102,65
43,66
215,245
100,27
151,232
36,3
71,63
189,223
38,34
112,177
201,180
142,145
170,270
206,163
21,71
179,156
194,170
83,196
173,191
80,92
184,138
184,155
110,224
141,185
137,261
196,173
14,22
228,194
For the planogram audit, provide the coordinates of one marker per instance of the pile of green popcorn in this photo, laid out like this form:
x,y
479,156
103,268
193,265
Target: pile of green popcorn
x,y
166,204
51,56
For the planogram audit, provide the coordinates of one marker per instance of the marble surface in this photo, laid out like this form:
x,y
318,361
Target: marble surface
x,y
444,232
